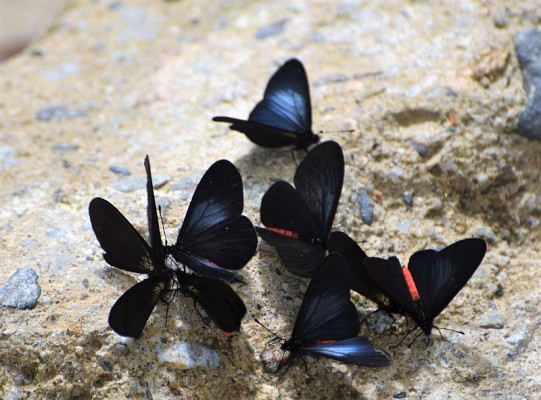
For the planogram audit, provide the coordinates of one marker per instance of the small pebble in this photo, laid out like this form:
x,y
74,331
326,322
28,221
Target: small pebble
x,y
486,233
407,198
117,169
492,321
187,355
136,183
528,50
55,113
366,207
273,29
400,395
22,290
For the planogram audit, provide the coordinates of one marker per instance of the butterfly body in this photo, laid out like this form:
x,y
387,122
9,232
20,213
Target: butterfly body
x,y
284,116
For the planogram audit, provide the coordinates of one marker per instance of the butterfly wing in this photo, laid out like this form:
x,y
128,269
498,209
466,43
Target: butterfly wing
x,y
260,134
300,257
152,213
388,278
360,282
214,232
220,302
286,102
440,275
327,312
357,350
318,181
123,245
131,311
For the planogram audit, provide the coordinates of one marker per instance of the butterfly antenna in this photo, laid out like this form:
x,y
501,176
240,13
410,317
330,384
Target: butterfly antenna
x,y
163,227
275,336
415,338
339,131
446,329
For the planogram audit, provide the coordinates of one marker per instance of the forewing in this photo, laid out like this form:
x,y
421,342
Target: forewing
x,y
152,213
286,102
327,312
260,134
131,311
299,256
318,181
439,276
123,245
230,246
220,302
387,276
283,208
206,267
217,201
357,350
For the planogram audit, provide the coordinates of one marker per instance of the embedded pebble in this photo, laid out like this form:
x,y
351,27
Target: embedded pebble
x,y
420,148
366,207
8,155
528,50
273,29
492,321
56,233
55,113
516,339
403,226
188,355
22,290
407,198
117,169
61,71
486,233
379,322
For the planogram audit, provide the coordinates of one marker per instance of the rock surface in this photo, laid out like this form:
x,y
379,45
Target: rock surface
x,y
149,76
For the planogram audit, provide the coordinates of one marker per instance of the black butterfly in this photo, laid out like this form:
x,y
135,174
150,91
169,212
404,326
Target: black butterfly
x,y
215,238
284,116
429,283
327,323
126,249
340,242
219,301
298,219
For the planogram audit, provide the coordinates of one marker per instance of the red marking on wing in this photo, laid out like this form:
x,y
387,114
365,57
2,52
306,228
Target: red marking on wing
x,y
210,262
411,284
228,334
285,232
325,341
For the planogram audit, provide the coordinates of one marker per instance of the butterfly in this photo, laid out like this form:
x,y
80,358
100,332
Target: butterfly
x,y
298,219
284,116
431,280
215,237
327,323
360,282
127,250
224,307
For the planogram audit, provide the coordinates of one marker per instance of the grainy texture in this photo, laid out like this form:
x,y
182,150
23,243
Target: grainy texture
x,y
138,77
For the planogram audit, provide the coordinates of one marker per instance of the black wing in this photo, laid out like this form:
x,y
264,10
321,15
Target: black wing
x,y
260,134
283,208
131,311
152,213
319,180
327,312
123,245
230,246
220,302
218,200
357,350
300,257
439,275
284,116
286,102
214,230
388,277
